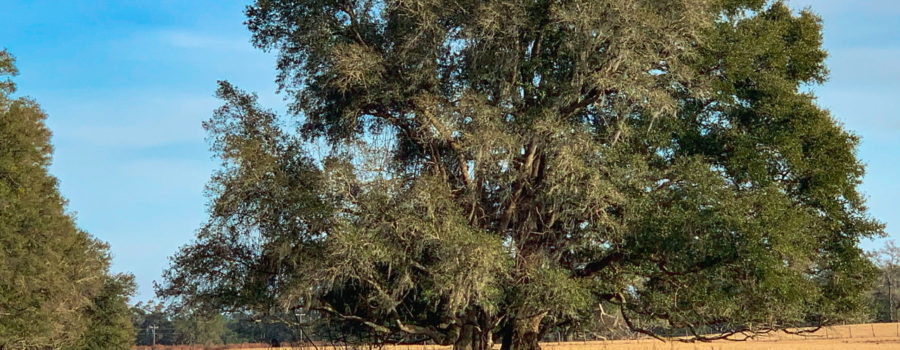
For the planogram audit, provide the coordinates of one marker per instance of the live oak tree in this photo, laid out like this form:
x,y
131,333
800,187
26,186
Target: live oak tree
x,y
54,280
471,172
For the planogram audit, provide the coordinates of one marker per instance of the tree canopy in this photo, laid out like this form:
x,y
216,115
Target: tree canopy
x,y
476,171
55,284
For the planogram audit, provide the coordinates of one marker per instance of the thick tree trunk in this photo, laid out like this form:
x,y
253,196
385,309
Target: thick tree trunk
x,y
523,333
475,333
472,338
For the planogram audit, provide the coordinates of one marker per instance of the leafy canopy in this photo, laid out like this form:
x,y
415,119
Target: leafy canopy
x,y
461,168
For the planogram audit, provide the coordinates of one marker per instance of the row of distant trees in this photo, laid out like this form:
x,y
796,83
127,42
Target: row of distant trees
x,y
156,324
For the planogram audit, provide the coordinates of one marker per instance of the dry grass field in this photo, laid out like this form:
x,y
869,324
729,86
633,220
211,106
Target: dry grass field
x,y
851,337
881,336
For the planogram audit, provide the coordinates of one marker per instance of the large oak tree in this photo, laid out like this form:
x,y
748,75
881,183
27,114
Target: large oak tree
x,y
477,171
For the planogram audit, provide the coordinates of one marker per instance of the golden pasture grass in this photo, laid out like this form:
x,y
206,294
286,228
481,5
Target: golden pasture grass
x,y
877,336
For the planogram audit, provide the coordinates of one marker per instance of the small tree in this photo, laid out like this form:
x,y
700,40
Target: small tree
x,y
468,172
886,291
110,325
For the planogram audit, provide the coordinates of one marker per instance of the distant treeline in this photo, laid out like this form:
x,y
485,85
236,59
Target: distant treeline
x,y
174,328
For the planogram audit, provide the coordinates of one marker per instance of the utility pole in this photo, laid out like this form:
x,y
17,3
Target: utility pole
x,y
153,331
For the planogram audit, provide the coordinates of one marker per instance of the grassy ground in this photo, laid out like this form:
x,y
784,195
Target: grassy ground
x,y
851,337
880,336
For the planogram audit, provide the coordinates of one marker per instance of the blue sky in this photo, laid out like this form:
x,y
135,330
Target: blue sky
x,y
127,84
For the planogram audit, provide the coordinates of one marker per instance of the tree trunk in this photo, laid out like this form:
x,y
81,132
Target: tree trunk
x,y
472,338
523,333
475,333
507,333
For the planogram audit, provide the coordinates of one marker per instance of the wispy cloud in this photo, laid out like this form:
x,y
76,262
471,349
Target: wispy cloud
x,y
187,39
140,120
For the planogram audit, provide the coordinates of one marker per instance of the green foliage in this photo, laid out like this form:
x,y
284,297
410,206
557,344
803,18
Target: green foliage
x,y
110,324
192,328
202,329
53,276
512,165
147,315
885,299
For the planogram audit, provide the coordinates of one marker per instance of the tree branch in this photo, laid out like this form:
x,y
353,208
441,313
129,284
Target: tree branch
x,y
448,138
330,310
434,334
591,97
594,267
354,23
635,328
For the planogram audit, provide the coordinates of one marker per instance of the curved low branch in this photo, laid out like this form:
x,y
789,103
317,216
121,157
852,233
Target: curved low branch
x,y
435,335
439,337
330,310
634,328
